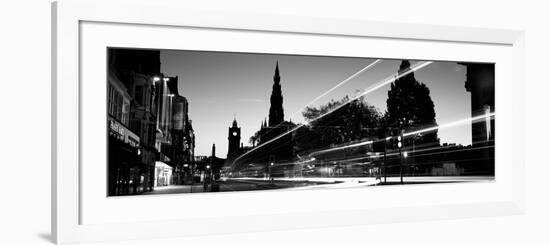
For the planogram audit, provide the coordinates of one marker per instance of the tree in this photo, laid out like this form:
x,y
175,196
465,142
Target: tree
x,y
355,120
410,107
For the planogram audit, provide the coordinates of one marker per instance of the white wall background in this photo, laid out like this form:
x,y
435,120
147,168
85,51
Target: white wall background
x,y
25,122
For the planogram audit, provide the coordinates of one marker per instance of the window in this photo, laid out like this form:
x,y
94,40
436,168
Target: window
x,y
125,112
111,99
117,107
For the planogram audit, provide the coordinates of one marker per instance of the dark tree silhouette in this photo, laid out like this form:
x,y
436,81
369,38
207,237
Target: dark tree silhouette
x,y
354,121
410,107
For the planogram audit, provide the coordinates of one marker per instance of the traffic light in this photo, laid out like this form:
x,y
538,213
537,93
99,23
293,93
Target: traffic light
x,y
399,144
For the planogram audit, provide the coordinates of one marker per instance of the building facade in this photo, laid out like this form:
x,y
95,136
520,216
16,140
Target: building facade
x,y
480,82
149,132
122,143
131,112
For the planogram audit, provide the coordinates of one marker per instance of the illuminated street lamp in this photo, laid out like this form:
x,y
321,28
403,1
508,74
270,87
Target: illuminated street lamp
x,y
269,174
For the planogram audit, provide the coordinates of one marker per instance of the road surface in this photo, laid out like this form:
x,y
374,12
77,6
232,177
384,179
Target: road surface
x,y
255,184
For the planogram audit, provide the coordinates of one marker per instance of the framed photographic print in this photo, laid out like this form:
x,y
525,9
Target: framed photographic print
x,y
186,122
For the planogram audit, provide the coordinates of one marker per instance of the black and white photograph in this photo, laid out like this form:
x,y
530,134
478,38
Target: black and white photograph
x,y
289,122
187,121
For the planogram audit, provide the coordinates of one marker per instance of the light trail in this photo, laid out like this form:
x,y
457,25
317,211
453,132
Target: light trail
x,y
373,88
370,89
452,151
447,125
389,155
452,124
366,68
396,153
341,148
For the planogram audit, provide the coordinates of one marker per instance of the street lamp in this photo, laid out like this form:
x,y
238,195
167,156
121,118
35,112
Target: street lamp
x,y
269,176
209,172
414,152
400,145
385,153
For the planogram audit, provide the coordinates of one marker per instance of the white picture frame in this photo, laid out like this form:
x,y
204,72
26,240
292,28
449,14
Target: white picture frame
x,y
69,200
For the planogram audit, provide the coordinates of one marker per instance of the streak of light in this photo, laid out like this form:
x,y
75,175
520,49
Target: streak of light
x,y
370,89
447,125
376,86
366,68
396,153
452,124
342,148
452,151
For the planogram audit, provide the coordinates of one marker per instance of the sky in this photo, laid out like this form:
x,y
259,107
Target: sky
x,y
220,86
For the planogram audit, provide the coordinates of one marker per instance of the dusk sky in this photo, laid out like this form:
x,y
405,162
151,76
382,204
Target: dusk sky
x,y
219,85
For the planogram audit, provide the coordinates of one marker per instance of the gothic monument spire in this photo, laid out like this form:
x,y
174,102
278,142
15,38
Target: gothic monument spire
x,y
276,113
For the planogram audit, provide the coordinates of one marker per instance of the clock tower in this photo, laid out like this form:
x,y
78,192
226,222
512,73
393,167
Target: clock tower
x,y
234,139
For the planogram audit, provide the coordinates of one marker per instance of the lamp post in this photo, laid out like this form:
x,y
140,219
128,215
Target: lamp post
x,y
192,176
385,153
170,104
416,136
207,180
400,145
403,122
157,94
269,174
163,122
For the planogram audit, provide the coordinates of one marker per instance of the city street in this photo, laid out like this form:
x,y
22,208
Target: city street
x,y
254,184
234,185
335,141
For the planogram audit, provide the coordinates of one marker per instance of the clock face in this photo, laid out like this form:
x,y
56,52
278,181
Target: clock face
x,y
234,133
